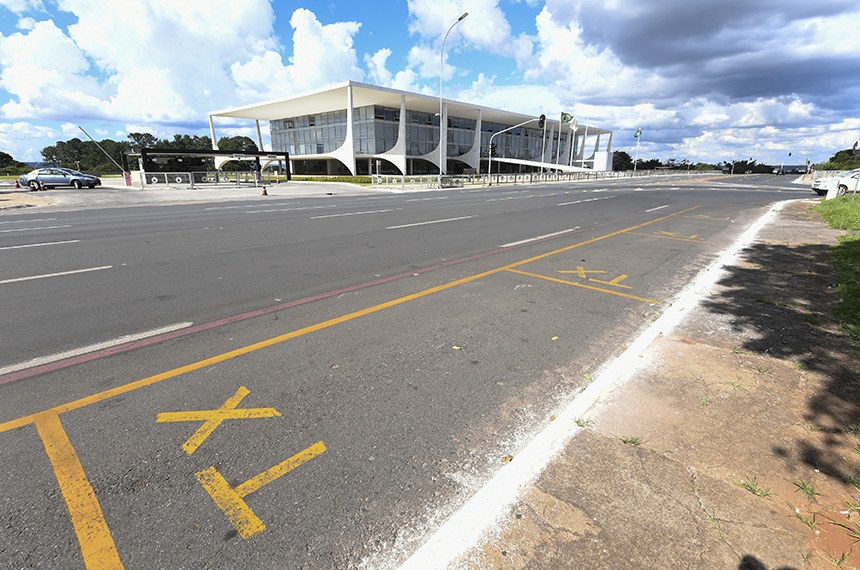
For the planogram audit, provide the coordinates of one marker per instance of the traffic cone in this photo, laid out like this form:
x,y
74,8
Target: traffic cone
x,y
264,192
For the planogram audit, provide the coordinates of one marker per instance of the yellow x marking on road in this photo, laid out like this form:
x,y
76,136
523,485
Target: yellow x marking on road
x,y
581,271
212,418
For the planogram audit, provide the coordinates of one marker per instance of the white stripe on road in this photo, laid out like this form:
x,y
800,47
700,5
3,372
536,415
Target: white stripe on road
x,y
28,221
583,201
39,244
91,348
430,222
32,229
352,214
512,244
47,275
290,209
658,208
425,199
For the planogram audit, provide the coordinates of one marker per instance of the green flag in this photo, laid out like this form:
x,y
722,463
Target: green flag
x,y
637,134
566,117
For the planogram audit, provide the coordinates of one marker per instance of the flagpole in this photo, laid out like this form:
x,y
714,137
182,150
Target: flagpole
x,y
638,136
558,149
585,144
572,142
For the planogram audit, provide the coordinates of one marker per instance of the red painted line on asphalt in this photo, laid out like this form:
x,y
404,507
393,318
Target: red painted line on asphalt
x,y
119,349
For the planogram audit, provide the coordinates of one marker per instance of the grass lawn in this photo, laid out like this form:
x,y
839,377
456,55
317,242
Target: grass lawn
x,y
844,213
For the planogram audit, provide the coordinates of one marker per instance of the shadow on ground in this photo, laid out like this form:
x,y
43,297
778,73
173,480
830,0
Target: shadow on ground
x,y
785,296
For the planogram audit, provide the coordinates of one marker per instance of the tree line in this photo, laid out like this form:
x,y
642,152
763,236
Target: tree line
x,y
87,157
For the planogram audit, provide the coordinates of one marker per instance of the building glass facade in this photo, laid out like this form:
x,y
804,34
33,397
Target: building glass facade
x,y
375,130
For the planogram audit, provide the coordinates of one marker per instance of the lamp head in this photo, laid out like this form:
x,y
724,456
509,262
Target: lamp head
x,y
460,19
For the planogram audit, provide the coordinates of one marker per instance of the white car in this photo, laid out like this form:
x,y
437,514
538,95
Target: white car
x,y
846,182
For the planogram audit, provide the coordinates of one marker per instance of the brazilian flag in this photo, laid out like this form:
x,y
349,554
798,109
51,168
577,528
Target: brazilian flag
x,y
566,117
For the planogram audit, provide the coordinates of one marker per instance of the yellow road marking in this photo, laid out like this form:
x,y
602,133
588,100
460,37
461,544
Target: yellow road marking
x,y
97,545
615,282
155,379
584,286
581,271
711,218
212,418
230,499
671,236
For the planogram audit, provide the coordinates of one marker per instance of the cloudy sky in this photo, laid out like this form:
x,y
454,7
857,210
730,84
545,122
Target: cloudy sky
x,y
706,80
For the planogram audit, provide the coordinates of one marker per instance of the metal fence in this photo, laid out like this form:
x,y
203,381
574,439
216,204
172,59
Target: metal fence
x,y
208,179
463,180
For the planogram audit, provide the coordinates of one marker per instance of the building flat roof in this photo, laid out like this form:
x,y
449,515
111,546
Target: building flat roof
x,y
333,98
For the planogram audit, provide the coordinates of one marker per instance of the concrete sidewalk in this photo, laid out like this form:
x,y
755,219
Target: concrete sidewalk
x,y
735,446
120,196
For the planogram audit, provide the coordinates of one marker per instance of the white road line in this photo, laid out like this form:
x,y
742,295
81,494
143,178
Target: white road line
x,y
352,214
236,207
91,348
39,244
28,221
47,275
512,244
601,190
425,199
658,208
32,229
430,222
489,504
584,201
291,209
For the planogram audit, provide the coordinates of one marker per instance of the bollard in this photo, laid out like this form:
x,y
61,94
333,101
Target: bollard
x,y
264,192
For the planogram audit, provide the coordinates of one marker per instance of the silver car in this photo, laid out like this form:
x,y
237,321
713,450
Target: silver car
x,y
50,177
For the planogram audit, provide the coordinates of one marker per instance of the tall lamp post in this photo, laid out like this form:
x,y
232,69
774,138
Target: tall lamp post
x,y
443,144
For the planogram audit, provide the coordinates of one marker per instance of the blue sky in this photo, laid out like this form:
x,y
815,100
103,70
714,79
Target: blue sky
x,y
704,79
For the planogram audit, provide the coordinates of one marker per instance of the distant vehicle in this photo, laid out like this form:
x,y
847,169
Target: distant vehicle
x,y
50,177
846,182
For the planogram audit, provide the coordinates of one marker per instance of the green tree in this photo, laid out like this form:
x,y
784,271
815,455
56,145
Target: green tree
x,y
8,165
142,140
842,160
239,144
621,161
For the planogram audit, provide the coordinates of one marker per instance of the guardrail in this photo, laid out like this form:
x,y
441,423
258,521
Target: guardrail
x,y
462,180
208,179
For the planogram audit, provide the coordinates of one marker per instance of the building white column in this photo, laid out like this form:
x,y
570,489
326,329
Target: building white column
x,y
473,157
346,152
212,133
433,156
259,136
397,154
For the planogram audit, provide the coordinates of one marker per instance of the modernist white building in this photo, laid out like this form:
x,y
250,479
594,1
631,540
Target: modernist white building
x,y
355,128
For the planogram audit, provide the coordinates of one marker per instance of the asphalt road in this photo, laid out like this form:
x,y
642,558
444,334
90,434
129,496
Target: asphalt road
x,y
356,366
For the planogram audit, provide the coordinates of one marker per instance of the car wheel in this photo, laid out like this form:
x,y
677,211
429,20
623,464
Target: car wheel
x,y
841,190
76,184
34,185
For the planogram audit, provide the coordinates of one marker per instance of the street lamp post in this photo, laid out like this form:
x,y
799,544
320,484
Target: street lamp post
x,y
443,144
541,122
